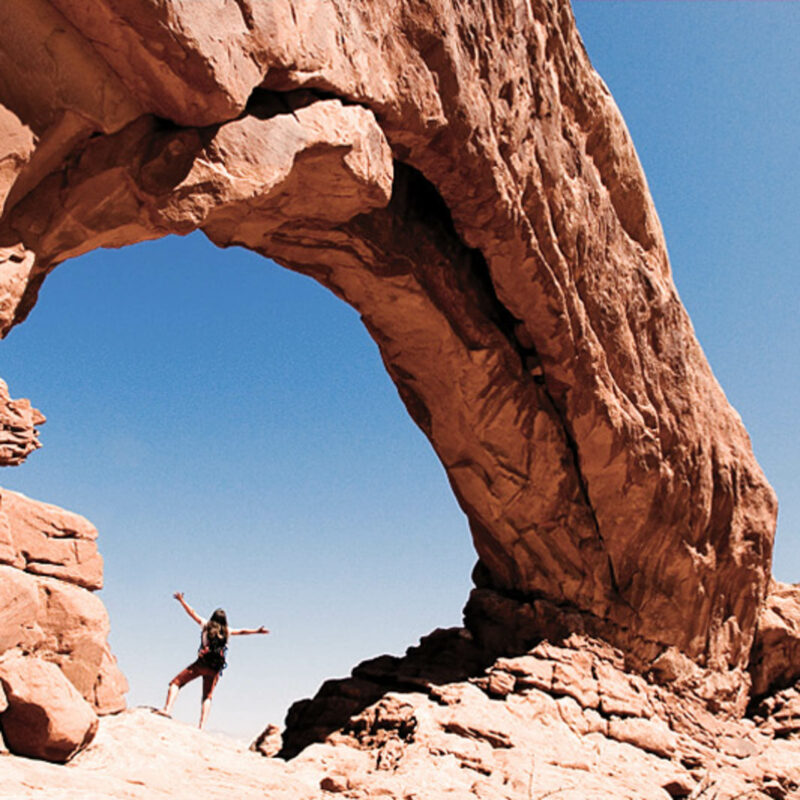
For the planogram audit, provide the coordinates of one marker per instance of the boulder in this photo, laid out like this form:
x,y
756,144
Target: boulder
x,y
46,716
268,742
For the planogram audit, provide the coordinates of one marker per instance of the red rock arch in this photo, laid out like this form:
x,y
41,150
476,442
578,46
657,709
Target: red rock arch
x,y
461,176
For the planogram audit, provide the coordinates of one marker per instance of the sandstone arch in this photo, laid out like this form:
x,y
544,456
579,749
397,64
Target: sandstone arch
x,y
461,176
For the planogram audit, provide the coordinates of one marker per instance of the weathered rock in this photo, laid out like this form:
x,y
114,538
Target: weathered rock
x,y
18,419
780,713
19,609
535,741
268,742
46,716
18,146
776,653
516,281
66,625
46,540
453,740
652,736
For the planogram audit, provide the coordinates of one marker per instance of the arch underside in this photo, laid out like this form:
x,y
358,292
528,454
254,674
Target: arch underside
x,y
482,207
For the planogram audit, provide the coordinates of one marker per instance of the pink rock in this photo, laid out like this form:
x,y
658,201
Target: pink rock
x,y
500,683
530,672
19,608
619,695
471,189
575,678
18,419
66,625
48,540
46,717
651,735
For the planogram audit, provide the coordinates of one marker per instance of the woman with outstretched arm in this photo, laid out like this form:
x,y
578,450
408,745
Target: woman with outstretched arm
x,y
210,659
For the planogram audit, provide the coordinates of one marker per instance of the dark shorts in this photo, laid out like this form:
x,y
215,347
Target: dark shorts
x,y
195,670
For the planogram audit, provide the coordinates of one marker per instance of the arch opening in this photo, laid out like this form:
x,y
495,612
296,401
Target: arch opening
x,y
522,390
243,441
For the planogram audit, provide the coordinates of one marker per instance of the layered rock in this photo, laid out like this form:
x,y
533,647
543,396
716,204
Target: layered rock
x,y
509,264
563,719
56,668
565,716
46,540
61,623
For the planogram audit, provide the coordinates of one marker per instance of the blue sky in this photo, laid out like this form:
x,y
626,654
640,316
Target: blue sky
x,y
229,427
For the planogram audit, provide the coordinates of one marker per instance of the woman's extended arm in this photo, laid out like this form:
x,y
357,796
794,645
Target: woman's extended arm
x,y
246,631
189,610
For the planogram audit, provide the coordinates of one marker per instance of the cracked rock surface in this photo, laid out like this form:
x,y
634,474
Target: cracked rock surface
x,y
512,242
564,719
460,175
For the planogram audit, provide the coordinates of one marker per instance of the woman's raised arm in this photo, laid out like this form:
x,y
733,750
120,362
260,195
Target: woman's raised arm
x,y
189,610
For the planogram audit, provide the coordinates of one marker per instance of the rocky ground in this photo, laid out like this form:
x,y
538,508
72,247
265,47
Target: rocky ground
x,y
564,720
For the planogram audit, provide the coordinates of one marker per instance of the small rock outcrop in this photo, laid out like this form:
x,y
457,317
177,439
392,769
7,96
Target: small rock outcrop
x,y
19,436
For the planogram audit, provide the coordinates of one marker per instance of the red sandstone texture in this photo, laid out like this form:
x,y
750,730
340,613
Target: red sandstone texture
x,y
45,716
19,436
460,175
56,669
565,719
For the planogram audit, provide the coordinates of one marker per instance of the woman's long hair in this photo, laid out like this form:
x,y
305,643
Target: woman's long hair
x,y
217,628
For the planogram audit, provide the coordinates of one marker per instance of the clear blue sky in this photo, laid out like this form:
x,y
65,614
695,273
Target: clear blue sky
x,y
229,427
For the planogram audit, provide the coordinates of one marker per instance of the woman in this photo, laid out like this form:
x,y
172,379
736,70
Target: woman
x,y
210,659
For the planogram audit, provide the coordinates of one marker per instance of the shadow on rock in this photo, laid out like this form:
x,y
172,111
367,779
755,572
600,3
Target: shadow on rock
x,y
496,626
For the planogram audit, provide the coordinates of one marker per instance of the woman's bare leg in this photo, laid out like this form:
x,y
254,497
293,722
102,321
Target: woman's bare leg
x,y
172,693
205,707
209,682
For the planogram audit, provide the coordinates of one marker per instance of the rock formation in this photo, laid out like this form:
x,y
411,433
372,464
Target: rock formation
x,y
460,175
565,719
56,669
18,434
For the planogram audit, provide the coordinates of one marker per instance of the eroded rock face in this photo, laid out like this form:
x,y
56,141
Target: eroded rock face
x,y
563,719
775,661
66,625
46,540
57,668
461,176
19,436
